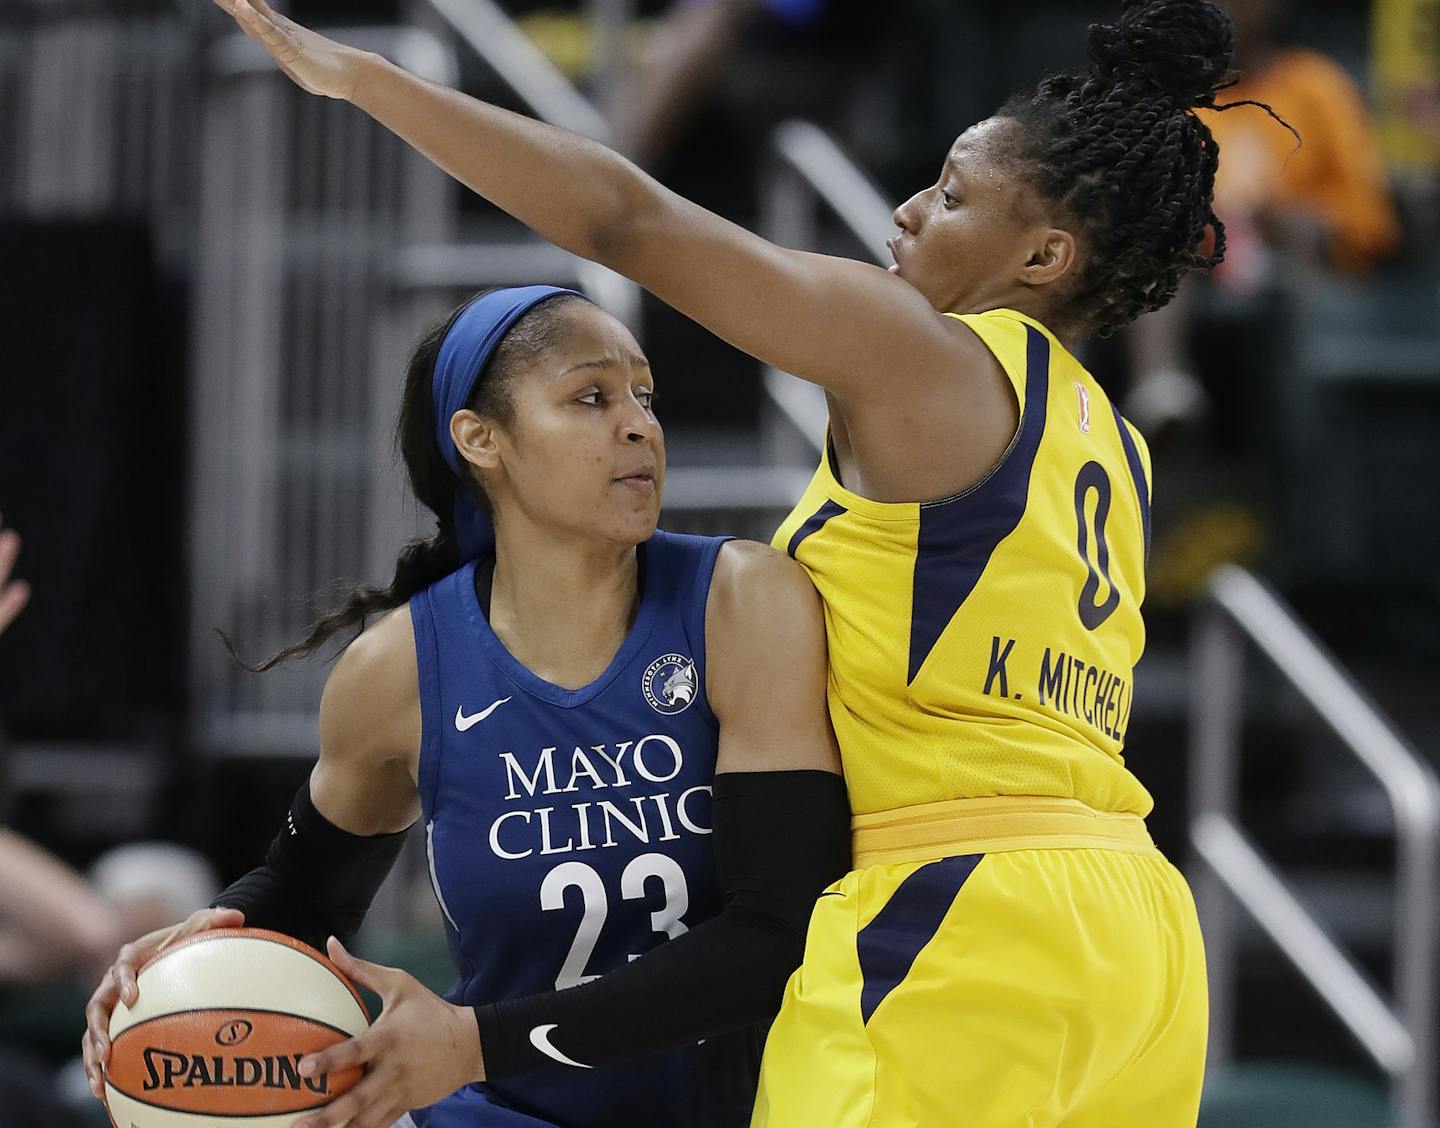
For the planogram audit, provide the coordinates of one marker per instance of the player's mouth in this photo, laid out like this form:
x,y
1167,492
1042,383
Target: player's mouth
x,y
641,481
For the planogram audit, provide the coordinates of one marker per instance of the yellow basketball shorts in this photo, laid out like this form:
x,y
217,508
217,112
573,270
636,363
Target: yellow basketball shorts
x,y
1053,987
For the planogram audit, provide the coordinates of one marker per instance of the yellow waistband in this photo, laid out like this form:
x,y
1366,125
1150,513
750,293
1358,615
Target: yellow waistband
x,y
986,826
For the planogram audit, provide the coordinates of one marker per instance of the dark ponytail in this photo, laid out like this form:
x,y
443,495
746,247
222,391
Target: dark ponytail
x,y
1122,153
427,560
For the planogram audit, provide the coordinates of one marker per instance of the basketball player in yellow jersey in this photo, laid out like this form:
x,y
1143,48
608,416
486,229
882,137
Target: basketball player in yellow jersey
x,y
1010,950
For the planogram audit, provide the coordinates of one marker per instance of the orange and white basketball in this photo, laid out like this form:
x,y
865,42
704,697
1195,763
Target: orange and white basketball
x,y
219,1029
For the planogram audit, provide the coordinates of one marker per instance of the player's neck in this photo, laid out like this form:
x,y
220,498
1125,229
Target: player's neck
x,y
1025,301
563,608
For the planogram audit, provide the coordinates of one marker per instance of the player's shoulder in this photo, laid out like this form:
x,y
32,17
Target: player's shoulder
x,y
758,588
746,568
764,627
372,697
384,647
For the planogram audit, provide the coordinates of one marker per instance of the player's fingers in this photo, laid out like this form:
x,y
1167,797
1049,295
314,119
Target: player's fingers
x,y
381,1116
97,1018
221,918
369,1094
380,979
273,27
353,1051
201,920
271,15
266,11
93,1075
122,974
258,28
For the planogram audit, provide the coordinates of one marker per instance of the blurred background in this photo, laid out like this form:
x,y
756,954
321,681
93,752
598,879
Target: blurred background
x,y
210,283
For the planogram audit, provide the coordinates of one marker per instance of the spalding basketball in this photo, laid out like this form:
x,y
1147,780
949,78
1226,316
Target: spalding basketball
x,y
219,1029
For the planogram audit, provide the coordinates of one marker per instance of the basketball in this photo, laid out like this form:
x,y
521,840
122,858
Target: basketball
x,y
221,1024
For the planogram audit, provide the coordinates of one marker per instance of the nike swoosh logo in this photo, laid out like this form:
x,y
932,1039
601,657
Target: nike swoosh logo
x,y
464,723
833,893
540,1039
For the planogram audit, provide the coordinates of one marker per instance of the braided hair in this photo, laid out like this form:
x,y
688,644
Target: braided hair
x,y
1122,154
427,560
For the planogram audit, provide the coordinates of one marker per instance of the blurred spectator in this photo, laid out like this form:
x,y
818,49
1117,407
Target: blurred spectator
x,y
1323,202
52,922
1407,78
684,60
676,60
58,928
13,594
1406,66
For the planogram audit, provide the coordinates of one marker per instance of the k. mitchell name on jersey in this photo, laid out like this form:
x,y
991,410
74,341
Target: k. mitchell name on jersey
x,y
1067,684
603,816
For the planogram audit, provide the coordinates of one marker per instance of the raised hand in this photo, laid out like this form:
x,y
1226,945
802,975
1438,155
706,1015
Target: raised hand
x,y
419,1050
119,984
314,63
13,596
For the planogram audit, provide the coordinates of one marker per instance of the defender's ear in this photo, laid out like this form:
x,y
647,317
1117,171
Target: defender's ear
x,y
1051,259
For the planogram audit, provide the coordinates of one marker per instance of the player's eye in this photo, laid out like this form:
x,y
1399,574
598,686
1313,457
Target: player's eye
x,y
646,398
949,200
593,398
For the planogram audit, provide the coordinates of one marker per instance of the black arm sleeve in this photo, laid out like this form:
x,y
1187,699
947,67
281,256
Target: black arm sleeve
x,y
780,839
317,880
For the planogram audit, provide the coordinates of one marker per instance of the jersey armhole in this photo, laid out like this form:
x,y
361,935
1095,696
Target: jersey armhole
x,y
695,613
1006,339
427,659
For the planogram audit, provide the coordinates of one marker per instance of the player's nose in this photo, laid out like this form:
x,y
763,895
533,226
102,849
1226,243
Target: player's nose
x,y
905,215
639,424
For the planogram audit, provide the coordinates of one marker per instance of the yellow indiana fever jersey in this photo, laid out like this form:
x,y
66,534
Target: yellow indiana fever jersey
x,y
984,644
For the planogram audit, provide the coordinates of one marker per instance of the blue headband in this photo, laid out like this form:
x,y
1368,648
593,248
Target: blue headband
x,y
467,346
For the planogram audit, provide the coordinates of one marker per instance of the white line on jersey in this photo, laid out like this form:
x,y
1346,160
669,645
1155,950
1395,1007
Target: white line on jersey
x,y
435,877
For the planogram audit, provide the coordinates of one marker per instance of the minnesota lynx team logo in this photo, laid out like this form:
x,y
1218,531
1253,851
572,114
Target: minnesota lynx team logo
x,y
670,684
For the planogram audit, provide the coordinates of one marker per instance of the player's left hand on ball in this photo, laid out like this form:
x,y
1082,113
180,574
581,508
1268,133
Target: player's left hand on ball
x,y
419,1050
315,64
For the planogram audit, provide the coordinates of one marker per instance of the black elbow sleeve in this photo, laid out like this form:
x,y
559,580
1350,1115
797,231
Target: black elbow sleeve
x,y
780,839
317,881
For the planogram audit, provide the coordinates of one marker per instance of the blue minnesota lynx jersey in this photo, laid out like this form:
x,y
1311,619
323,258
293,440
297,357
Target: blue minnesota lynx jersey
x,y
569,833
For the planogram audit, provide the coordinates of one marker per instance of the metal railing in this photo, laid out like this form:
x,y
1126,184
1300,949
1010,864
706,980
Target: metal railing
x,y
304,203
99,115
484,28
808,168
1400,1037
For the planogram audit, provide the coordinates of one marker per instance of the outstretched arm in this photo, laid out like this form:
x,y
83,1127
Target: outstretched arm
x,y
849,326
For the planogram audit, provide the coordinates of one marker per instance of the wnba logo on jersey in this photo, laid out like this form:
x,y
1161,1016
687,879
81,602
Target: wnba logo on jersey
x,y
670,684
1084,407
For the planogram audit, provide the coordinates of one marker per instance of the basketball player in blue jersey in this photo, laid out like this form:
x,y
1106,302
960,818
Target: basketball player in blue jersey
x,y
556,696
1011,947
